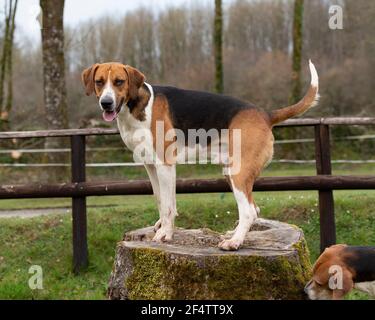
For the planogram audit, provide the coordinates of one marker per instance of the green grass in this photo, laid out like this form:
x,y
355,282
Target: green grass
x,y
46,241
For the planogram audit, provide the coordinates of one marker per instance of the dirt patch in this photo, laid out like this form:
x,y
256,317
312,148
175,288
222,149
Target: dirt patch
x,y
30,213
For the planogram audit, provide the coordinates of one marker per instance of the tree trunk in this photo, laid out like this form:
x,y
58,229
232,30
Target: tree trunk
x,y
218,44
9,101
3,61
272,264
297,51
6,72
295,95
54,78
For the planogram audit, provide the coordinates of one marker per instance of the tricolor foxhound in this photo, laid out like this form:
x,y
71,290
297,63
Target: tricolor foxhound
x,y
138,106
339,269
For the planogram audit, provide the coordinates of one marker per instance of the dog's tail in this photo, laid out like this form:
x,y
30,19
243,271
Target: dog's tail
x,y
308,101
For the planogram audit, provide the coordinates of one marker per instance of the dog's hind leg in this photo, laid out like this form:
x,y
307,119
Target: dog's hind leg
x,y
247,214
231,232
152,174
249,152
167,185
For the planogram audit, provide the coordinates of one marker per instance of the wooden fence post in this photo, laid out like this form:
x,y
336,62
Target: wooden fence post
x,y
78,160
326,201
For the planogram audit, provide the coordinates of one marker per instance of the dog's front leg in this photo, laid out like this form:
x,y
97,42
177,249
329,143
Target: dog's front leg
x,y
167,185
152,174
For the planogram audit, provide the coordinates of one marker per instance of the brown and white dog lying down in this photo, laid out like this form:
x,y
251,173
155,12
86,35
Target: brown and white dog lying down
x,y
339,269
138,106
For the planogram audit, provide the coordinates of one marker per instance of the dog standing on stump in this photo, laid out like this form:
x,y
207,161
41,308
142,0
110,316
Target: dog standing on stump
x,y
143,111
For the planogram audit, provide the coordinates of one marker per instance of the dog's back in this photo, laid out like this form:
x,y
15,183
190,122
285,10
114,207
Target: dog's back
x,y
192,109
362,260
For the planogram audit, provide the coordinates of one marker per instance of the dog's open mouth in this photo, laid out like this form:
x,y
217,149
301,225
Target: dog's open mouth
x,y
112,115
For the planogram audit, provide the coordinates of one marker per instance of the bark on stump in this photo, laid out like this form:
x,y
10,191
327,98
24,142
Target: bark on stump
x,y
272,264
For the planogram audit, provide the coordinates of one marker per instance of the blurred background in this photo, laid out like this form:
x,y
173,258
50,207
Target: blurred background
x,y
264,50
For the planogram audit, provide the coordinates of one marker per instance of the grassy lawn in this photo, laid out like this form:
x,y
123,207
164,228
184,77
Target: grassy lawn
x,y
46,241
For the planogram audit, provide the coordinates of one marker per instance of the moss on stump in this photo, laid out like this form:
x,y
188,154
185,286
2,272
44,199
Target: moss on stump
x,y
273,263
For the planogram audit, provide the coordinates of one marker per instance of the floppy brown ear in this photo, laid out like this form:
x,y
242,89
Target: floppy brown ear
x,y
88,78
136,80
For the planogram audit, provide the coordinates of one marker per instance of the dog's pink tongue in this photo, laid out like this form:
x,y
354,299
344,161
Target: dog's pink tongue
x,y
109,116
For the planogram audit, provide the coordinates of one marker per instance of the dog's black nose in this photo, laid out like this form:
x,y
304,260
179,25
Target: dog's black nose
x,y
106,103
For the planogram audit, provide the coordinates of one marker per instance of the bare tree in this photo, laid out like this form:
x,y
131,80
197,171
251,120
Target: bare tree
x,y
54,64
297,51
176,46
218,44
173,34
9,101
4,55
55,100
6,69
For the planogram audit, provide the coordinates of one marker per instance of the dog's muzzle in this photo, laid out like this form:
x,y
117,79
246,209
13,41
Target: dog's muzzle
x,y
110,110
107,104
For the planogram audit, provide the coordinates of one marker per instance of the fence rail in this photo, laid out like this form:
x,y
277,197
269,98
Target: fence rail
x,y
324,182
104,131
100,149
143,187
135,164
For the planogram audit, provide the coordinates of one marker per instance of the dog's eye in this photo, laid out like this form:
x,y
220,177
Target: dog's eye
x,y
99,83
119,82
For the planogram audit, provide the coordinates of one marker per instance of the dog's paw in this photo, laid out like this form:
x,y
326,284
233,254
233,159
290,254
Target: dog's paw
x,y
230,244
157,225
163,234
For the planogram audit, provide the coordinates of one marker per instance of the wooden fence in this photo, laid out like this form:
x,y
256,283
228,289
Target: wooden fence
x,y
324,182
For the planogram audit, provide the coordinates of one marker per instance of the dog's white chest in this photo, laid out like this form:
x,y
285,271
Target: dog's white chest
x,y
135,132
132,131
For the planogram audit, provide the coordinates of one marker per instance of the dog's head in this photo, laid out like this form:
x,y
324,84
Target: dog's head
x,y
331,278
114,84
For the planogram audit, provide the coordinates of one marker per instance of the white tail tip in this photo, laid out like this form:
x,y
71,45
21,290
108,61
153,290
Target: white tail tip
x,y
314,75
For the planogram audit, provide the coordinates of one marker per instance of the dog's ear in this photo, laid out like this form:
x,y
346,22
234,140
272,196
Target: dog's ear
x,y
136,80
88,78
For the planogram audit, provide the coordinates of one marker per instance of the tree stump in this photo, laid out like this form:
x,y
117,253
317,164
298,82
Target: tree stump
x,y
273,263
